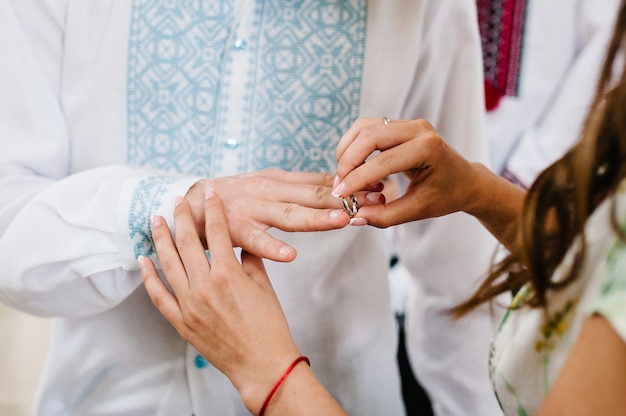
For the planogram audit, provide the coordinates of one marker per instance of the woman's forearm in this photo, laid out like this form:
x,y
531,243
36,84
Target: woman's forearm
x,y
301,393
497,204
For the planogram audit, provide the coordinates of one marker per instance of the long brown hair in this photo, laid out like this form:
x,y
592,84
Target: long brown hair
x,y
563,196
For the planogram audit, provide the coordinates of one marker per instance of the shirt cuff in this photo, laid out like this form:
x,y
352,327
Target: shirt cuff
x,y
144,196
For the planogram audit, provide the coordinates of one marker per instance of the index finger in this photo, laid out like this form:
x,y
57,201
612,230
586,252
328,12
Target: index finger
x,y
165,302
365,137
350,135
357,169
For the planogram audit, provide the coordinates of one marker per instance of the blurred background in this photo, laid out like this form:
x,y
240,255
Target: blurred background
x,y
23,348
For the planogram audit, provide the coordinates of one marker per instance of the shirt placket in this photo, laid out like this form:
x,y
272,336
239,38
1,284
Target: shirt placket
x,y
236,95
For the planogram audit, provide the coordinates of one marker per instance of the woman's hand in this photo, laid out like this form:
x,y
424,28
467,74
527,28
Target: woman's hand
x,y
227,310
414,148
441,181
230,312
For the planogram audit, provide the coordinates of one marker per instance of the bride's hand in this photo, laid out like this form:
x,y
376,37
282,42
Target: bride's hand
x,y
227,310
441,181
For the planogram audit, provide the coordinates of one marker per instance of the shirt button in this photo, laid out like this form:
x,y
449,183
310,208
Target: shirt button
x,y
232,143
200,362
240,44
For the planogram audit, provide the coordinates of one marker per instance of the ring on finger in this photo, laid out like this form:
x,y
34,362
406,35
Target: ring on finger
x,y
351,210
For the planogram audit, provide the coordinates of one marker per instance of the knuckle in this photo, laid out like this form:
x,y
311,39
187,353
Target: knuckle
x,y
184,240
320,191
366,134
221,282
361,121
433,141
422,123
212,227
327,178
193,318
198,186
290,211
254,236
270,171
257,184
384,222
386,161
157,300
168,265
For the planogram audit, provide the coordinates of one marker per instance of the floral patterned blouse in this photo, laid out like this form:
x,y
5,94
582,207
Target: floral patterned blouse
x,y
529,350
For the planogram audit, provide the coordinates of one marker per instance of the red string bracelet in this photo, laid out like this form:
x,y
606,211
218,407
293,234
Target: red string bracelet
x,y
280,381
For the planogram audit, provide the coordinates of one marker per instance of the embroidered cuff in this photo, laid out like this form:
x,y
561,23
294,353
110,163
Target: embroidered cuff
x,y
144,196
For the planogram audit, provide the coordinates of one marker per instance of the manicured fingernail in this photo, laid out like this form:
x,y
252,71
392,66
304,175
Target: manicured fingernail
x,y
178,200
336,182
376,197
142,262
335,213
209,193
285,251
357,222
155,220
339,189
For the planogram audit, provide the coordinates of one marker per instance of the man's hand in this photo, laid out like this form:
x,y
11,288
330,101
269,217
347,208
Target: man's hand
x,y
289,201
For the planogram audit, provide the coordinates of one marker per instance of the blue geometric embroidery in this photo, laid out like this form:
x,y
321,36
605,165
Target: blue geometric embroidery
x,y
309,82
145,200
214,90
208,94
173,80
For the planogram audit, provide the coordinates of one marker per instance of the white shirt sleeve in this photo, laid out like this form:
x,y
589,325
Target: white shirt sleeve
x,y
558,127
100,215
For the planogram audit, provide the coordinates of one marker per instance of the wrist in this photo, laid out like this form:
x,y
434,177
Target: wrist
x,y
479,188
282,380
495,202
255,384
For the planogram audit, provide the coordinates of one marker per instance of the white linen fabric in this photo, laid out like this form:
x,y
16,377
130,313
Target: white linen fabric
x,y
531,346
110,109
564,47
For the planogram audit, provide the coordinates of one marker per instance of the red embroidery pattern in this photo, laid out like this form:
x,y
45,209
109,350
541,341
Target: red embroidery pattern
x,y
501,24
